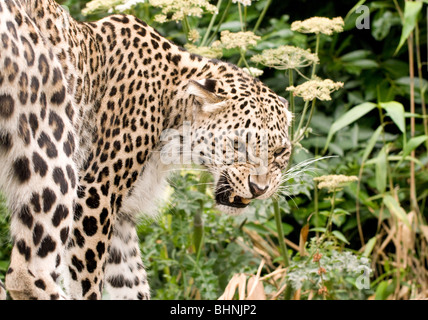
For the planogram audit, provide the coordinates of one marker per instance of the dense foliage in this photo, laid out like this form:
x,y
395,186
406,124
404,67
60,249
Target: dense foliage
x,y
359,230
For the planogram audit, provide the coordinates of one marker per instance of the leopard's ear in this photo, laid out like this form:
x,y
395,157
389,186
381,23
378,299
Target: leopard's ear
x,y
205,94
285,102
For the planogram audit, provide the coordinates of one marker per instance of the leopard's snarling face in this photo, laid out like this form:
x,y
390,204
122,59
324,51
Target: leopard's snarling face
x,y
240,134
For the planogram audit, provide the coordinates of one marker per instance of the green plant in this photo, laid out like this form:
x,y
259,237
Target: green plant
x,y
5,247
326,273
181,268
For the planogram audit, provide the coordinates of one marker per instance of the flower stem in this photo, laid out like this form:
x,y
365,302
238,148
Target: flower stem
x,y
186,27
259,21
210,26
292,130
198,223
317,45
282,245
413,196
305,107
262,15
330,217
220,22
308,122
240,17
242,53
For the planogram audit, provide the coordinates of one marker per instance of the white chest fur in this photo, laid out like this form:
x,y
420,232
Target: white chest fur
x,y
149,190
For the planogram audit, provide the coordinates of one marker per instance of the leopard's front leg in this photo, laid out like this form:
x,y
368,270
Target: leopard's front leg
x,y
2,291
125,277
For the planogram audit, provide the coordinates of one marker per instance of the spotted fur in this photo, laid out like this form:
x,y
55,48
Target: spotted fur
x,y
83,110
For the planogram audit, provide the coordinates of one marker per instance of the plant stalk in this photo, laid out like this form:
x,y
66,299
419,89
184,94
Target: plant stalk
x,y
186,27
308,122
421,87
330,217
257,25
262,15
292,109
413,197
240,17
210,26
198,223
278,220
282,245
220,22
305,107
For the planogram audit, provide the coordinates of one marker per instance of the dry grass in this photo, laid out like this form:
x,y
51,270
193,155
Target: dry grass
x,y
400,249
405,250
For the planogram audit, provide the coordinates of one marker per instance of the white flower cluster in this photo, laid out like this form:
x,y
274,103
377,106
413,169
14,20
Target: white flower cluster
x,y
334,181
100,5
128,5
110,6
286,57
319,25
243,2
316,88
193,35
242,40
212,53
177,10
253,71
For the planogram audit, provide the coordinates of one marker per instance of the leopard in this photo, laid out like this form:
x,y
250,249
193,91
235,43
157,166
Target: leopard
x,y
93,116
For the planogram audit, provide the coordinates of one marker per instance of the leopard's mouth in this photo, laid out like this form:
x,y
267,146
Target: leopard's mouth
x,y
225,196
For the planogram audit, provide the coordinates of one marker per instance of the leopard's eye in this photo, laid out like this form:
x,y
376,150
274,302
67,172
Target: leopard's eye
x,y
280,151
236,145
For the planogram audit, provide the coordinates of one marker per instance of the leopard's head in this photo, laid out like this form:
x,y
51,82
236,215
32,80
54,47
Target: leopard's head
x,y
240,134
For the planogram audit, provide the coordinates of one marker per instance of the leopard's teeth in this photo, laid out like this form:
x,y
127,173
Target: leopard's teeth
x,y
232,197
245,200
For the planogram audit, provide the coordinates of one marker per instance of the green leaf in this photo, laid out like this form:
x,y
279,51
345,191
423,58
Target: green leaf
x,y
413,143
407,158
355,55
339,235
411,12
354,8
363,197
362,64
383,290
339,216
395,208
397,68
258,228
419,85
370,145
381,173
395,111
383,22
4,265
369,247
352,115
286,228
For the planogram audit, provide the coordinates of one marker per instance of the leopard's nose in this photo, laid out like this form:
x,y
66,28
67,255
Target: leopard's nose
x,y
257,188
